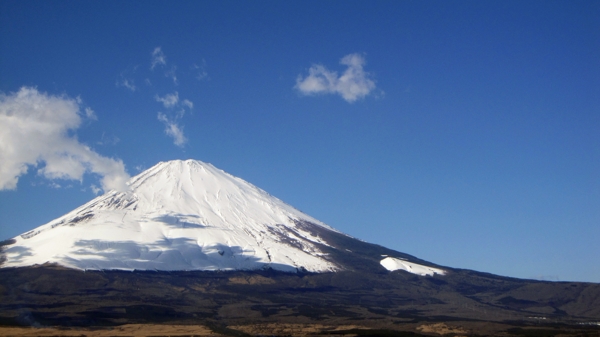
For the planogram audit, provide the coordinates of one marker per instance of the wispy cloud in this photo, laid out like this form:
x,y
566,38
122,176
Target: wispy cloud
x,y
176,110
95,189
188,104
352,85
175,107
90,114
108,139
169,100
126,83
172,74
37,130
126,80
201,70
158,58
173,130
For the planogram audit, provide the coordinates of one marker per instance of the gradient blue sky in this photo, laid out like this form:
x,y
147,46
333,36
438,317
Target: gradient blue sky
x,y
472,139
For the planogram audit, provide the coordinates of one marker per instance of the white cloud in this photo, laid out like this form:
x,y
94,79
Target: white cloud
x,y
158,58
188,103
36,130
169,100
172,129
95,189
89,113
353,84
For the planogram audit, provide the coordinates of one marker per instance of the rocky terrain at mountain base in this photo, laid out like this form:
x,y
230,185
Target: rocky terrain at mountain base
x,y
269,302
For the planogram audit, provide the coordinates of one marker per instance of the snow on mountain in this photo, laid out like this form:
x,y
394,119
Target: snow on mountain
x,y
392,264
181,215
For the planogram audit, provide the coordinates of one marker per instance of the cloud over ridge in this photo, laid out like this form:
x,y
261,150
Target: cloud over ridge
x,y
352,85
37,128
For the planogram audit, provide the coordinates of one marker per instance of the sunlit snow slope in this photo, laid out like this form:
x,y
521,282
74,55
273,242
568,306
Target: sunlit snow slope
x,y
392,264
179,215
189,215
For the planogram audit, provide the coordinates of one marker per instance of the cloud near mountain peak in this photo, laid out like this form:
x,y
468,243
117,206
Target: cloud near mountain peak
x,y
36,130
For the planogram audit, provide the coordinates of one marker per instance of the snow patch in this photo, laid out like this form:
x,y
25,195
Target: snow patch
x,y
392,264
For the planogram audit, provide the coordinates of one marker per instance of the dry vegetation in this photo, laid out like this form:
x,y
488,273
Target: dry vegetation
x,y
123,330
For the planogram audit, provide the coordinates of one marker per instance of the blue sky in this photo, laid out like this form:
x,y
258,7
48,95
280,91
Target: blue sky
x,y
466,133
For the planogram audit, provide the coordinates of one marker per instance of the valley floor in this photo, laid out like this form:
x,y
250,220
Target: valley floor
x,y
124,330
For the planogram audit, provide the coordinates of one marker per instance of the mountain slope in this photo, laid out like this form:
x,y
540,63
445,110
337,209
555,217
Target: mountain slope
x,y
209,248
189,215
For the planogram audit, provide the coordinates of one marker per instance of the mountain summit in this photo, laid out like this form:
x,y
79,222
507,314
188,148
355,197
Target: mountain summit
x,y
189,215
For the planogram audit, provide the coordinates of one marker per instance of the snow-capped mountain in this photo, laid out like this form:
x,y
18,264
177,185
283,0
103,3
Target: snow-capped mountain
x,y
189,215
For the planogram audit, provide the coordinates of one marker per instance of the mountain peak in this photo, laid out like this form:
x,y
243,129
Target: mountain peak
x,y
179,165
178,215
190,215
